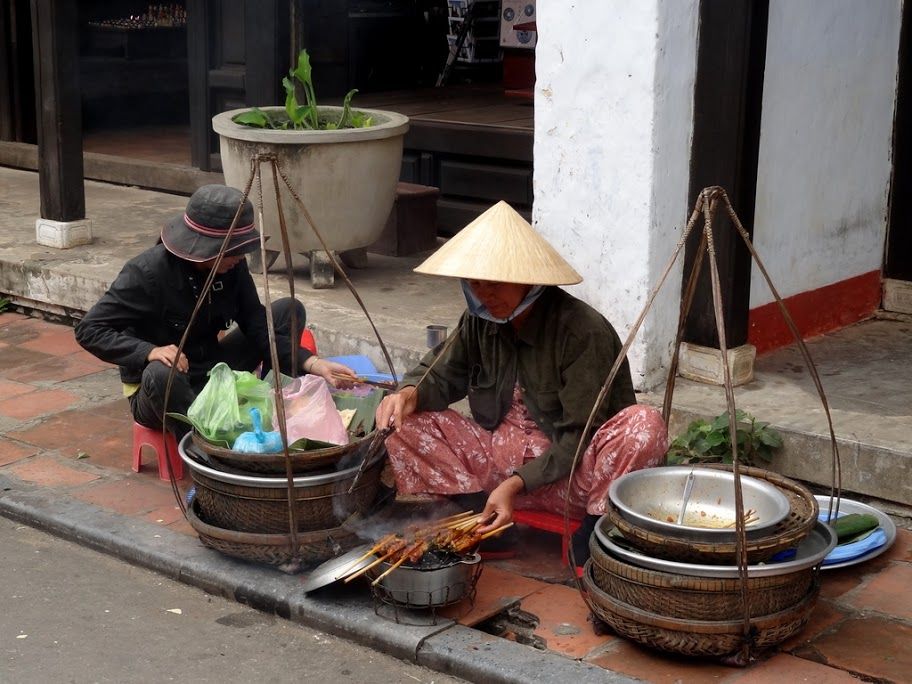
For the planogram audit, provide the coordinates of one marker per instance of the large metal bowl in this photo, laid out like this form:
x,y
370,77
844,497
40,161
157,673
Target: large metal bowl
x,y
652,499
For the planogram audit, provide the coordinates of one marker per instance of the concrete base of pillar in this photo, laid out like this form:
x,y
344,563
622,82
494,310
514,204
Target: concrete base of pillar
x,y
897,296
63,234
704,364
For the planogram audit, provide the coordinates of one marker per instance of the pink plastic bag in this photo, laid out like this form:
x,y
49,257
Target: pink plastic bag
x,y
310,412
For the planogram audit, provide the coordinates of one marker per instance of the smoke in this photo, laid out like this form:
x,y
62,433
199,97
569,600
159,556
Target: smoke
x,y
397,518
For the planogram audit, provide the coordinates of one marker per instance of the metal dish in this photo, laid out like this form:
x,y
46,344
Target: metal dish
x,y
191,457
809,553
849,506
336,568
652,498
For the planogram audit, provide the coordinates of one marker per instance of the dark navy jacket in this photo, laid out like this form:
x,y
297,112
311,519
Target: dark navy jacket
x,y
150,305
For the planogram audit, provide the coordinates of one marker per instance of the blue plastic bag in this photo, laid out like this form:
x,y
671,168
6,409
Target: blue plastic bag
x,y
844,552
258,442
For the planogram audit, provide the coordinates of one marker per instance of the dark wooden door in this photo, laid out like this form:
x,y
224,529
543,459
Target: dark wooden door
x,y
898,263
237,52
17,84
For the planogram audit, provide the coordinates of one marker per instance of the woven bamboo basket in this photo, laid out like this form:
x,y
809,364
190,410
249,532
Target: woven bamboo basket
x,y
802,517
695,598
274,464
273,549
265,509
696,637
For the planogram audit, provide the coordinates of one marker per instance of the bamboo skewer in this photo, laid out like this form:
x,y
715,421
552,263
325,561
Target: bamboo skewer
x,y
496,531
467,523
750,516
405,556
445,523
450,518
390,569
379,560
376,547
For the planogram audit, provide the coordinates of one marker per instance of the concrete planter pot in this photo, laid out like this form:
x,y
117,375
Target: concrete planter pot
x,y
346,179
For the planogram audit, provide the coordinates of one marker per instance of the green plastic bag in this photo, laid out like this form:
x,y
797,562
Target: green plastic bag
x,y
215,412
221,411
253,393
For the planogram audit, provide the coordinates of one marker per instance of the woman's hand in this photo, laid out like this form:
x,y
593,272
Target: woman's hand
x,y
396,407
334,373
168,356
498,511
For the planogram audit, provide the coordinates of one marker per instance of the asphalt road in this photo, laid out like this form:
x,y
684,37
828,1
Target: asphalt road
x,y
69,614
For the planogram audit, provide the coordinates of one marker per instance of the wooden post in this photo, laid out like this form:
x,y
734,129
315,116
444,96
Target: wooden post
x,y
6,74
198,75
727,101
59,108
265,65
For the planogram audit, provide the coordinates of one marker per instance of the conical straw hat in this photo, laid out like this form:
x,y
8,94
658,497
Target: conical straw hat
x,y
500,245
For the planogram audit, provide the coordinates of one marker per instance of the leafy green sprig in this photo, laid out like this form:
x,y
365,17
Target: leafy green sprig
x,y
710,442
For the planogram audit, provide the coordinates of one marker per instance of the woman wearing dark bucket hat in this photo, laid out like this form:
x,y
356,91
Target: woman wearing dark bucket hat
x,y
138,323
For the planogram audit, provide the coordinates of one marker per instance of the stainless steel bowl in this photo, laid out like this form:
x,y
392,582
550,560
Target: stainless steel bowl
x,y
652,499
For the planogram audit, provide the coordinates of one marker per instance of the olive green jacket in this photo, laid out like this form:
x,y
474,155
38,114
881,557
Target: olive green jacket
x,y
560,356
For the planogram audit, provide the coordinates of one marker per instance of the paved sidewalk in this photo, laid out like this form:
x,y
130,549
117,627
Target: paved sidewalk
x,y
65,466
864,368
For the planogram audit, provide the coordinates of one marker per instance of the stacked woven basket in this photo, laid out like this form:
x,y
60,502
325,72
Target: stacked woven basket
x,y
241,501
677,589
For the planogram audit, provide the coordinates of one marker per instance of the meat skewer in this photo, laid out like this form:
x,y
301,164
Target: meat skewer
x,y
471,539
455,534
406,555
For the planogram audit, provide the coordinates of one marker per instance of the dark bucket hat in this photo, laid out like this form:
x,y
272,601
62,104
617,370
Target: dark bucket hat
x,y
197,235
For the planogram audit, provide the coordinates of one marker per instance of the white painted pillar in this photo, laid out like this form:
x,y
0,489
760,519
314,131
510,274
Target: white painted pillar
x,y
613,126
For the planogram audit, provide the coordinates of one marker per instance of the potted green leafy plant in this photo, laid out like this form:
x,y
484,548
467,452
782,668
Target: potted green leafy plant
x,y
307,116
709,441
343,162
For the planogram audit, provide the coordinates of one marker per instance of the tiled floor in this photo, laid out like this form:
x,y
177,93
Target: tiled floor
x,y
59,430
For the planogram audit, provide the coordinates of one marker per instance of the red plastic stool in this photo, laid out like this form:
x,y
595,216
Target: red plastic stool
x,y
308,342
549,522
143,436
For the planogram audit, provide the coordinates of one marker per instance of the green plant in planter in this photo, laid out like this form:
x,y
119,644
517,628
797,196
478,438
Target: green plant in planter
x,y
709,441
306,116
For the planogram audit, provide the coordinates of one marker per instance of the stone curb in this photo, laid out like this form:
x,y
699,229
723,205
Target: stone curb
x,y
445,647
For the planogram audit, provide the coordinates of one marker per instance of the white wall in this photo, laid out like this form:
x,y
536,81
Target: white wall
x,y
613,123
825,142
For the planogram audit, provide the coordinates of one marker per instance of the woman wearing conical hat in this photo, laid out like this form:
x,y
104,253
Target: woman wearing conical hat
x,y
531,359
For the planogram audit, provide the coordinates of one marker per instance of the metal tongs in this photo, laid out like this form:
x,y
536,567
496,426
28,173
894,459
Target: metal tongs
x,y
376,442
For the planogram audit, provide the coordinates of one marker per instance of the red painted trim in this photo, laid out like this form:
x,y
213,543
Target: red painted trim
x,y
815,312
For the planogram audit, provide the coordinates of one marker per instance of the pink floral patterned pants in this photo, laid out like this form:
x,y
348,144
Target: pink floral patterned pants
x,y
443,452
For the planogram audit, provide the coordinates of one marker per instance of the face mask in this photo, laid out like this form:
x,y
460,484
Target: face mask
x,y
476,308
